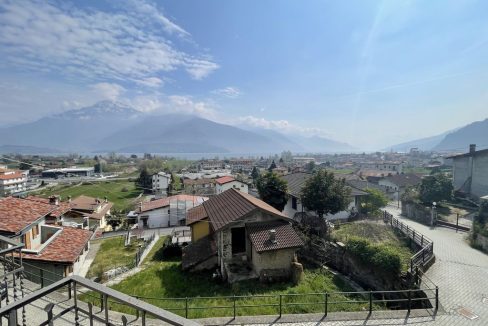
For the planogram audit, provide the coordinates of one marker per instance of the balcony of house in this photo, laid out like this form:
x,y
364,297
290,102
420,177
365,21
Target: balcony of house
x,y
23,302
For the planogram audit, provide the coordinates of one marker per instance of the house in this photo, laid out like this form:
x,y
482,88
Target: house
x,y
50,251
388,166
12,181
166,212
241,235
241,165
227,182
398,183
55,217
470,173
89,211
160,183
294,208
203,186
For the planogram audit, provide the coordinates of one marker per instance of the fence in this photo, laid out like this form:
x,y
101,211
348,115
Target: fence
x,y
293,303
422,257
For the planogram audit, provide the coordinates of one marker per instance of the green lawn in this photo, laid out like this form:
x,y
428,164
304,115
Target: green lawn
x,y
164,284
376,233
113,190
112,254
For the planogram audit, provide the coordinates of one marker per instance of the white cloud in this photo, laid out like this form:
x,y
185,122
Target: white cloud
x,y
283,126
108,91
150,82
126,44
230,92
186,104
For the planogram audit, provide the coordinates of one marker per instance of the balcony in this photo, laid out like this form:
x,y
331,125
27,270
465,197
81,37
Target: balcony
x,y
24,303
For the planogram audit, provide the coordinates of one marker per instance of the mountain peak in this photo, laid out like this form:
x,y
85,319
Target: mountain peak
x,y
100,109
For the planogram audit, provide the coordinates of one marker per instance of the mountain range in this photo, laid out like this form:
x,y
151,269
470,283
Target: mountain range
x,y
109,126
456,140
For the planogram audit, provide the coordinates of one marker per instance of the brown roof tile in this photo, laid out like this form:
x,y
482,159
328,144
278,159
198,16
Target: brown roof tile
x,y
59,209
224,180
233,204
16,213
196,214
65,248
286,237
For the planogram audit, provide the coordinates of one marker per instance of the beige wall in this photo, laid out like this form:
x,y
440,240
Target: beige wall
x,y
274,259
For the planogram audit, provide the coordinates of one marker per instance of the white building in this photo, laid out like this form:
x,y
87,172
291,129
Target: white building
x,y
225,183
12,181
166,212
160,183
296,181
397,184
393,167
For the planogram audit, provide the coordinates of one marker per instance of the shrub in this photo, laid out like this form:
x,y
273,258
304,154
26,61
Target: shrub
x,y
379,256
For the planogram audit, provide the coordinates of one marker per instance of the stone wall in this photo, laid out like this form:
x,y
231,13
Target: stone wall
x,y
275,259
416,212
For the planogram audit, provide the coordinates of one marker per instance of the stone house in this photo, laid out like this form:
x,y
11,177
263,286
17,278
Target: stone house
x,y
470,173
241,235
50,252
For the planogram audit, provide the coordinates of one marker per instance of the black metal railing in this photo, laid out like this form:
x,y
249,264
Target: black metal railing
x,y
423,256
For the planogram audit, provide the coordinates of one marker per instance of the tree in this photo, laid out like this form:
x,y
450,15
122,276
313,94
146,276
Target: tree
x,y
324,194
272,166
310,166
255,174
175,183
435,188
272,190
374,201
145,180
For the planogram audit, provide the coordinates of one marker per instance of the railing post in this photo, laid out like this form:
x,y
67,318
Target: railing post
x,y
90,313
102,302
12,318
326,303
42,277
409,300
69,291
124,320
234,306
186,307
49,309
422,241
76,304
436,298
143,318
370,302
280,305
105,303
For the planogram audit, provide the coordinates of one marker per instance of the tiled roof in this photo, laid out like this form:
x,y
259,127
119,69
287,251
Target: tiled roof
x,y
296,181
65,248
164,202
233,204
196,214
11,176
99,215
224,180
202,181
285,236
403,180
59,209
16,213
85,203
198,252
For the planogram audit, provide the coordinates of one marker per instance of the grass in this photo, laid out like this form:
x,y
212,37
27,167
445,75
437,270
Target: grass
x,y
112,254
379,234
164,284
113,190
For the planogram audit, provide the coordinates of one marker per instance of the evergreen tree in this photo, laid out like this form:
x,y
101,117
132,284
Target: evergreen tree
x,y
272,190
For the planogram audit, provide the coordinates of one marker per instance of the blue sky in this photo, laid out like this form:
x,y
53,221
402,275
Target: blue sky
x,y
371,73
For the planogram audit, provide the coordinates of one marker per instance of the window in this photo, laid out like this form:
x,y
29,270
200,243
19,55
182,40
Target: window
x,y
294,202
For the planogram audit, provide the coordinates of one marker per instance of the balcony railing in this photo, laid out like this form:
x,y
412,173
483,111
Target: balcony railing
x,y
58,303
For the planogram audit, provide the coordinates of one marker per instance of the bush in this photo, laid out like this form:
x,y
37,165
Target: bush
x,y
379,256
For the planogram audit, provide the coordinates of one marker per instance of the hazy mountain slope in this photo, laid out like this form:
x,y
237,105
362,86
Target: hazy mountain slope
x,y
317,144
459,140
76,130
423,144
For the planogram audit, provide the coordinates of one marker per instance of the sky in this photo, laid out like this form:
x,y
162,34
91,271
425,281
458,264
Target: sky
x,y
370,73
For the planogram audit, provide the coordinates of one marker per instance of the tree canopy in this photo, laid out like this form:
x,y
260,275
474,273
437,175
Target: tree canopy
x,y
434,188
373,203
272,190
272,166
325,194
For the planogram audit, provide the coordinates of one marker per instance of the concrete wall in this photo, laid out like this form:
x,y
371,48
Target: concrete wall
x,y
275,259
200,230
50,272
479,184
461,172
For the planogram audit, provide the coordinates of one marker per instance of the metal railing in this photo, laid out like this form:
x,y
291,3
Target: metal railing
x,y
293,303
426,252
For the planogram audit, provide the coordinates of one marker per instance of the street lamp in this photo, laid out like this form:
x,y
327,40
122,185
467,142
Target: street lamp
x,y
433,213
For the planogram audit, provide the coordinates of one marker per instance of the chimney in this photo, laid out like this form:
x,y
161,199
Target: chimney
x,y
472,148
54,200
272,235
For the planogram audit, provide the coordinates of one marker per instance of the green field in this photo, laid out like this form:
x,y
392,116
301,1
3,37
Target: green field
x,y
378,233
163,281
113,190
112,254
